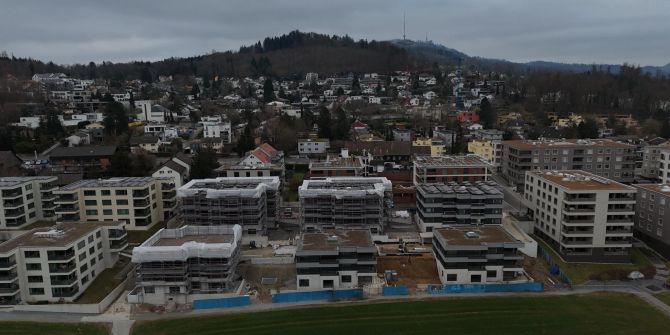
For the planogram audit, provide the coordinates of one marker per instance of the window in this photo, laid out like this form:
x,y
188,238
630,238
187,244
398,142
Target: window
x,y
29,187
82,256
100,256
36,291
31,254
149,289
98,234
91,212
90,239
90,203
81,244
174,289
106,192
121,192
83,268
107,202
346,279
107,212
93,261
91,250
122,211
89,193
303,282
35,279
84,279
451,277
33,266
121,202
491,274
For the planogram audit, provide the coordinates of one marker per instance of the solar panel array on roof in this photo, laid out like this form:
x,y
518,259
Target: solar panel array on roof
x,y
477,188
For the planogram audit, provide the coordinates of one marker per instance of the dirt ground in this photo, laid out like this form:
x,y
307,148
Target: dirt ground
x,y
412,270
253,274
538,270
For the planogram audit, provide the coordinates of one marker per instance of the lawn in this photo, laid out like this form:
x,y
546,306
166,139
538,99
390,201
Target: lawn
x,y
665,297
582,272
17,328
104,283
136,237
601,313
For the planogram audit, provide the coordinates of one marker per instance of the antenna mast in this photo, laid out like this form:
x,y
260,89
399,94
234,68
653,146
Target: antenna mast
x,y
403,26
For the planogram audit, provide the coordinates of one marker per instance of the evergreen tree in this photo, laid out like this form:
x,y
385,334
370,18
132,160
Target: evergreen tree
x,y
486,115
588,129
665,129
204,163
116,119
323,122
246,141
268,91
120,165
195,90
342,125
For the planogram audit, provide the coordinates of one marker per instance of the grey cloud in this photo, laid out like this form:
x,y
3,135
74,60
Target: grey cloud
x,y
603,31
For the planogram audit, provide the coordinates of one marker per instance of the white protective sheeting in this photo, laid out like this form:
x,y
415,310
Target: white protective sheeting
x,y
380,185
148,252
196,186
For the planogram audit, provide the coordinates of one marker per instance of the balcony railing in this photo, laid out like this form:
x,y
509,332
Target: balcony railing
x,y
59,256
9,289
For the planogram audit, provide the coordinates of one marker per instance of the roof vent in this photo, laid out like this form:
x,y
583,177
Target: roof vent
x,y
471,234
665,188
332,238
52,233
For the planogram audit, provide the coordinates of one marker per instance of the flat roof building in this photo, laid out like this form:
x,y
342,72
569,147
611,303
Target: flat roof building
x,y
57,264
188,263
337,167
477,255
139,201
251,202
335,259
602,157
444,169
345,203
443,205
25,200
584,217
652,216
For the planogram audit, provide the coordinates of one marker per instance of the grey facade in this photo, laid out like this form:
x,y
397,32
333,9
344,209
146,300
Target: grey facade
x,y
345,203
444,205
335,259
584,217
484,255
652,216
251,202
604,158
25,200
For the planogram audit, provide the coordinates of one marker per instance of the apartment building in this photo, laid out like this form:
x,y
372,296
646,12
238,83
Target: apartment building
x,y
652,216
444,169
337,167
487,254
220,130
313,146
57,264
489,150
345,203
185,264
602,157
664,166
92,161
139,201
584,217
652,161
251,202
25,200
431,146
443,205
335,260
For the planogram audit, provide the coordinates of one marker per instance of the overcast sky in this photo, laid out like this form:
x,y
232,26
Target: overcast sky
x,y
585,31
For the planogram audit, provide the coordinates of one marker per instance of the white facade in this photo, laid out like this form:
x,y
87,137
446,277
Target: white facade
x,y
585,217
664,166
25,200
58,264
218,130
313,146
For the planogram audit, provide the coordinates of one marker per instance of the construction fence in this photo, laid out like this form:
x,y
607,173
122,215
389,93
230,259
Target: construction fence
x,y
395,290
317,295
238,301
484,288
553,266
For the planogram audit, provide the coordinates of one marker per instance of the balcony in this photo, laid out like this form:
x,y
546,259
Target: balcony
x,y
14,213
10,194
67,198
60,255
13,203
9,289
578,209
577,242
67,217
142,212
62,292
8,276
16,222
63,280
577,232
140,193
72,208
7,264
62,268
119,245
577,198
622,198
141,203
170,195
115,234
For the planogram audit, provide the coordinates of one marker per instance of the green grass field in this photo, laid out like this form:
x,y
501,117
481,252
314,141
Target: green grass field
x,y
31,328
665,297
586,314
582,272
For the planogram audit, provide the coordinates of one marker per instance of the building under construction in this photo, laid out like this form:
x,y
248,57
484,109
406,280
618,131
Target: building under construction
x,y
345,203
181,265
251,202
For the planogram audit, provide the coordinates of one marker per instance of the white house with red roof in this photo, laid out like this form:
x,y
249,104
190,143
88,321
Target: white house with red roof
x,y
262,155
358,125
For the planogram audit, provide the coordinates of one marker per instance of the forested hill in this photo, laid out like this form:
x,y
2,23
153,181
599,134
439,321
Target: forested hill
x,y
288,55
